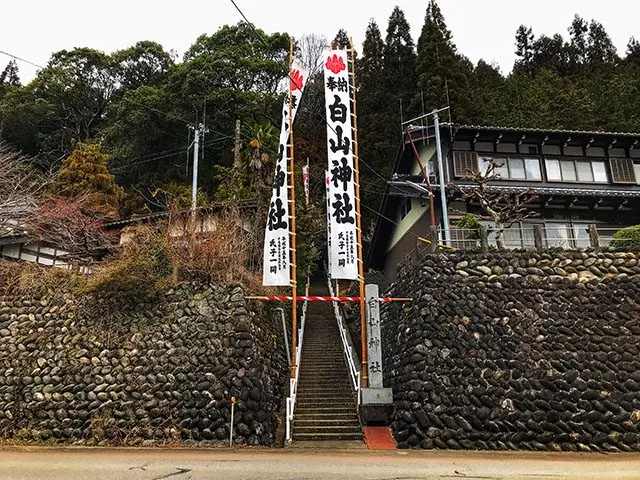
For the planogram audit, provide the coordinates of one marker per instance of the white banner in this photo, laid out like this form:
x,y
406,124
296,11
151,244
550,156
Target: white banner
x,y
305,181
276,267
342,198
327,180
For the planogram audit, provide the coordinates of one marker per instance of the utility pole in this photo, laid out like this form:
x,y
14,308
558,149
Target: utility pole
x,y
443,193
194,184
236,150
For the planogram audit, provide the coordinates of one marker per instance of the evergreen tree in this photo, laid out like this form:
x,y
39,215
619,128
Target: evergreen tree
x,y
443,74
341,40
633,53
399,62
524,50
487,91
9,75
377,141
551,53
601,53
577,48
9,78
85,173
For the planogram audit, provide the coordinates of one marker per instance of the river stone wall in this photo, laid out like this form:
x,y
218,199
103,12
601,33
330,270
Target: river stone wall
x,y
160,371
516,350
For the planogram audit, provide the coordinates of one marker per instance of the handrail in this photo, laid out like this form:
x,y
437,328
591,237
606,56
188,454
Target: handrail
x,y
348,349
293,382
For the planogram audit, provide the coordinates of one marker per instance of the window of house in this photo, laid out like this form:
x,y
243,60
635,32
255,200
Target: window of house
x,y
553,169
636,169
568,169
516,168
582,170
532,168
513,168
599,172
557,235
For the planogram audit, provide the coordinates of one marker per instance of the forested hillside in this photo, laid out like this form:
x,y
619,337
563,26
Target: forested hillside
x,y
137,104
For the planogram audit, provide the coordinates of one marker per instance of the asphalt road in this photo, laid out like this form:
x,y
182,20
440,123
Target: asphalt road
x,y
183,464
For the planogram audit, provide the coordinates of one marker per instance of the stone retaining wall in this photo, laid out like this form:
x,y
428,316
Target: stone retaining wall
x,y
160,371
516,350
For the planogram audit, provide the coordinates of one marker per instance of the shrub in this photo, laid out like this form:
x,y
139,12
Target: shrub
x,y
628,237
469,222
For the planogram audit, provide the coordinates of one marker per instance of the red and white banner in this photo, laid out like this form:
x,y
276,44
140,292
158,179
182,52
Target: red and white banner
x,y
342,199
310,298
276,267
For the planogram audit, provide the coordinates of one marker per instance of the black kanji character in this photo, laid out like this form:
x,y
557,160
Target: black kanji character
x,y
278,179
374,367
276,216
343,143
339,84
341,173
338,110
273,269
342,263
343,208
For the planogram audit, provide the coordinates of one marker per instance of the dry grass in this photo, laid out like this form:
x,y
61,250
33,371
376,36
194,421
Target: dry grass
x,y
32,280
220,249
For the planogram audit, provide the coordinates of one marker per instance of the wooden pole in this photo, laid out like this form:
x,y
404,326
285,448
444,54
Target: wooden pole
x,y
356,165
292,212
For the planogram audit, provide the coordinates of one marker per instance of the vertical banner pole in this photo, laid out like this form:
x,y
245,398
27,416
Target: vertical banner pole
x,y
294,280
356,164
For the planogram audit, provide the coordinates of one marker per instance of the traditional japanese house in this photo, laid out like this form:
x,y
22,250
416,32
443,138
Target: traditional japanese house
x,y
572,179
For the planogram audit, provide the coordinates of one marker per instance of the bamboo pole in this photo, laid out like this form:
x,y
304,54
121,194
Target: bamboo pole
x,y
292,212
356,165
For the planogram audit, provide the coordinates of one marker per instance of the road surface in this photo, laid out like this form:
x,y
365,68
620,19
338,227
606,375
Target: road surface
x,y
308,463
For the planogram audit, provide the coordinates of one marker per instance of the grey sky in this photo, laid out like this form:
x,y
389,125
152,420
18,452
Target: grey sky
x,y
481,29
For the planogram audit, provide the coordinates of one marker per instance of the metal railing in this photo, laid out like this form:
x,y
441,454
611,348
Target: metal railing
x,y
540,236
293,382
354,372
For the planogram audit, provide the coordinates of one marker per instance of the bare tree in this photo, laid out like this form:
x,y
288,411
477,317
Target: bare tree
x,y
73,224
504,208
311,48
21,188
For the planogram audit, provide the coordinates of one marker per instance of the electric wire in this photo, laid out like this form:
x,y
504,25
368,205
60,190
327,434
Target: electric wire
x,y
21,59
160,155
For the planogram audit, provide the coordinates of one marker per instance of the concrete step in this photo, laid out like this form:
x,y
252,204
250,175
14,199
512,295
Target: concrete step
x,y
331,428
346,400
325,437
351,416
326,422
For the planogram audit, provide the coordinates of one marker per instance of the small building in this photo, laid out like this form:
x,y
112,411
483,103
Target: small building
x,y
572,179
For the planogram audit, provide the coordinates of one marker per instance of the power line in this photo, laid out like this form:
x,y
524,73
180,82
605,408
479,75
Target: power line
x,y
161,155
21,59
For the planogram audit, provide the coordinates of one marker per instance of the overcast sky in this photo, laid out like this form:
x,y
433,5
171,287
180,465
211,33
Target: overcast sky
x,y
484,29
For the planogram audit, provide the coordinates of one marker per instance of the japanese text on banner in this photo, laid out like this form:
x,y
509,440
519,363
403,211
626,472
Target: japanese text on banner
x,y
276,269
342,199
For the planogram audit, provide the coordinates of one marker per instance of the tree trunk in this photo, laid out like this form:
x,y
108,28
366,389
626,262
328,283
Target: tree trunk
x,y
500,242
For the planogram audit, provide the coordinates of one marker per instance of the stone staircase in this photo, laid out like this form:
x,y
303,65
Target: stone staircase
x,y
325,407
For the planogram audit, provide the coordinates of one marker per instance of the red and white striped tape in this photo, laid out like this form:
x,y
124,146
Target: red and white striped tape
x,y
283,298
